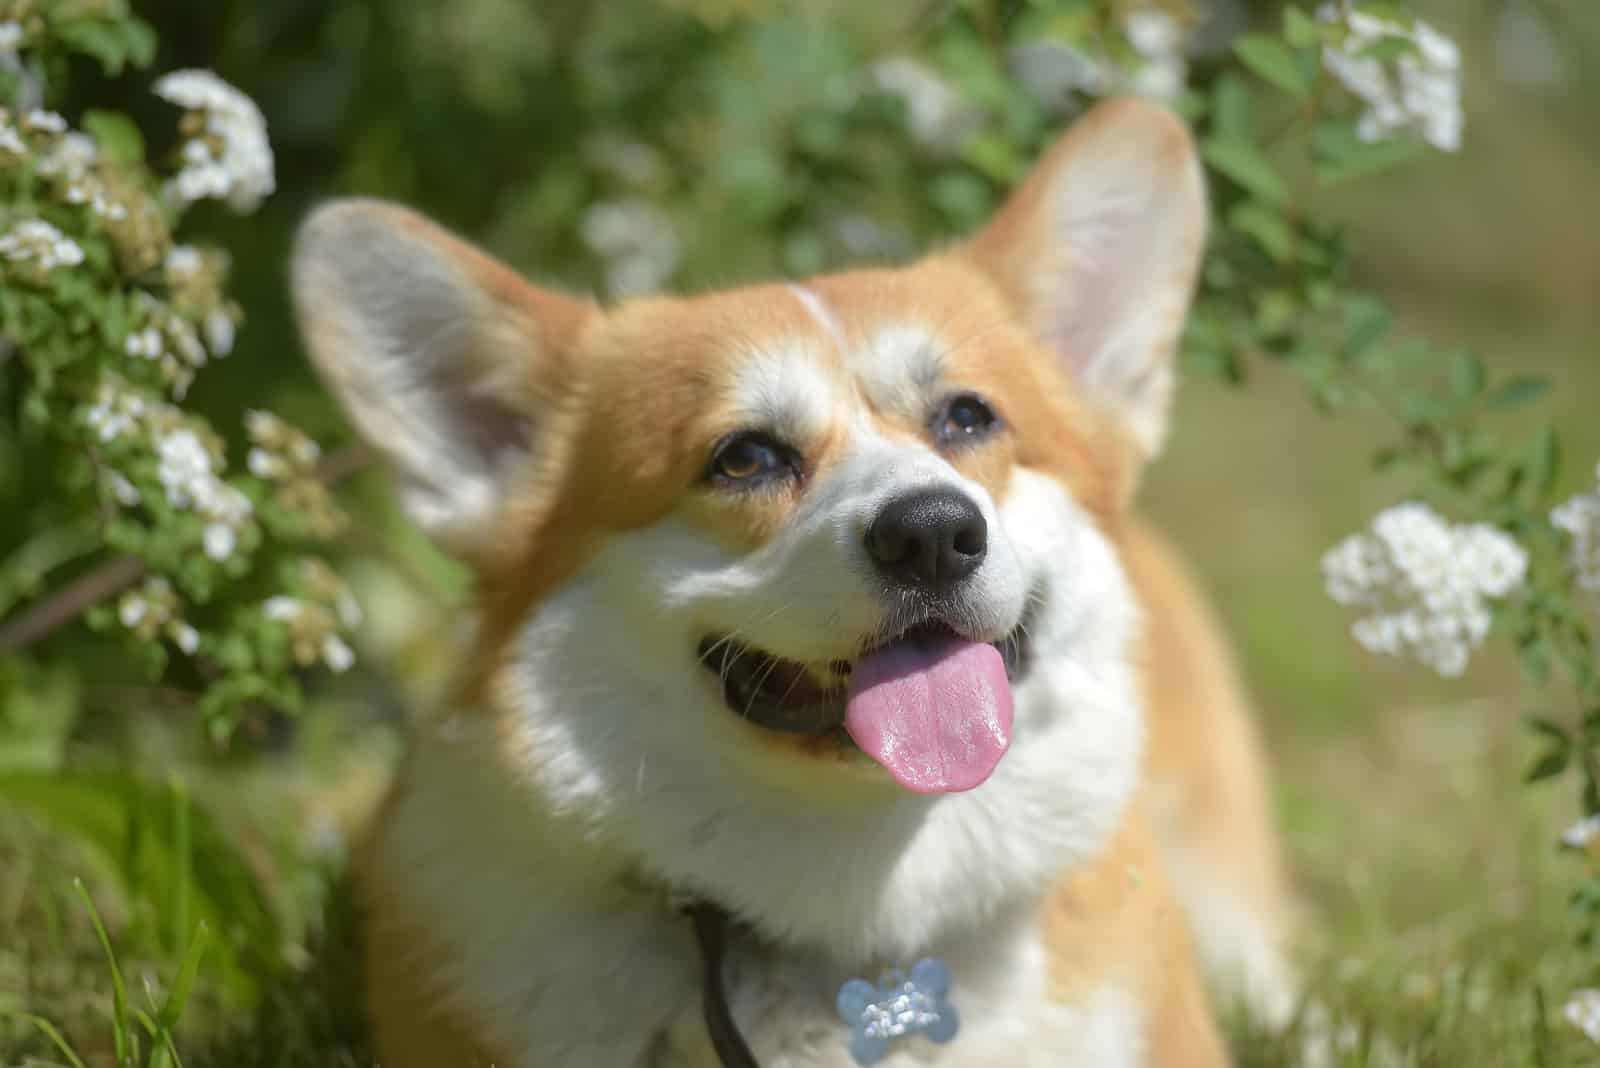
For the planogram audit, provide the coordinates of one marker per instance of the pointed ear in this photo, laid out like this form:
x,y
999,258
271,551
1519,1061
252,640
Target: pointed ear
x,y
447,362
1098,251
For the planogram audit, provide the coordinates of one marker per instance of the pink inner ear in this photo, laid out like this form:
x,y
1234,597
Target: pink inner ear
x,y
1110,229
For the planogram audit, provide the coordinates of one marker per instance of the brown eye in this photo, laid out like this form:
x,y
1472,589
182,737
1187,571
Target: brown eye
x,y
749,459
964,419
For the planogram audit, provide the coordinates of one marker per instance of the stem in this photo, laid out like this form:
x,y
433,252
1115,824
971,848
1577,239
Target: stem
x,y
114,576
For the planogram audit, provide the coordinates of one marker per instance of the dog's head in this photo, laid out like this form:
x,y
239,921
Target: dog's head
x,y
805,597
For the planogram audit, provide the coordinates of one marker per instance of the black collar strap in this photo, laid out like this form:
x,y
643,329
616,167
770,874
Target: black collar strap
x,y
710,929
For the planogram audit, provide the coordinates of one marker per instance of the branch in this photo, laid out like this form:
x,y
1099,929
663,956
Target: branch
x,y
111,578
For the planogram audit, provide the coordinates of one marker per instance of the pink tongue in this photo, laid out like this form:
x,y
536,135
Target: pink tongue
x,y
936,713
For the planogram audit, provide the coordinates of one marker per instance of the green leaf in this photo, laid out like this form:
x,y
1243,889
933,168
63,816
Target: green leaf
x,y
119,990
1467,376
1274,62
1243,162
1549,765
1300,29
116,135
53,1033
1544,461
1517,391
1366,322
1269,229
1230,109
1549,728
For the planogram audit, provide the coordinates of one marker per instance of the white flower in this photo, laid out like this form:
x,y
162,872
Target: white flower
x,y
10,39
232,160
1580,834
1579,518
936,114
183,262
336,654
186,637
219,541
219,332
282,609
1053,70
71,157
37,241
10,139
185,469
145,344
1158,38
263,464
1425,584
1426,95
1583,1012
1153,32
126,493
637,240
131,610
48,121
349,609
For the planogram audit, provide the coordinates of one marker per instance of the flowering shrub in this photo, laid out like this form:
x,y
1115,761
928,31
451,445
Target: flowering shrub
x,y
709,139
107,320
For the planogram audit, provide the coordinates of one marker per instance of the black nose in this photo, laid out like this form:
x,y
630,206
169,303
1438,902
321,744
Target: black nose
x,y
931,539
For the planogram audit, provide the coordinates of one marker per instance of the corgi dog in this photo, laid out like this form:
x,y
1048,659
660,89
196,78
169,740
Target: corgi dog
x,y
823,604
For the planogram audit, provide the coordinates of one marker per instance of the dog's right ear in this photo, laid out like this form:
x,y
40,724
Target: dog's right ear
x,y
446,361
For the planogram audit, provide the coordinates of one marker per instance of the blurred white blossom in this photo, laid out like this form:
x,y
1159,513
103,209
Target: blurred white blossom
x,y
1426,584
1579,518
631,160
1582,833
936,113
1159,40
71,157
227,156
36,241
1053,70
49,122
1422,92
1583,1012
10,39
637,241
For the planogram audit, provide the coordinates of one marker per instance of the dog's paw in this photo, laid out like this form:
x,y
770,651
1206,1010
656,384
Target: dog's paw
x,y
898,1006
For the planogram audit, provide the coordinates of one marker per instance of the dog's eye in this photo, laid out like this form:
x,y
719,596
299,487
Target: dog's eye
x,y
749,458
964,418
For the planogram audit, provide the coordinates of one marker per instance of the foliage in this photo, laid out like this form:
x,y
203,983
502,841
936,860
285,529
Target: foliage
x,y
620,148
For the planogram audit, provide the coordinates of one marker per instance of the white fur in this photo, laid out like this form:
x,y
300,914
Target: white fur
x,y
627,761
818,309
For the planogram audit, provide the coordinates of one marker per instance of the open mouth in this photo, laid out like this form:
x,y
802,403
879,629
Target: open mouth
x,y
788,696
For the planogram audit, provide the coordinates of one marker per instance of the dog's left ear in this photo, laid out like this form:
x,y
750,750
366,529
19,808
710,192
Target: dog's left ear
x,y
1098,251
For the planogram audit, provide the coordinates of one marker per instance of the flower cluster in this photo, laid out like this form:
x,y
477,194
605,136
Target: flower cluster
x,y
937,115
1158,39
35,244
189,462
286,457
314,619
637,241
1582,1011
227,156
1579,518
1583,836
154,610
1427,585
1422,92
1055,70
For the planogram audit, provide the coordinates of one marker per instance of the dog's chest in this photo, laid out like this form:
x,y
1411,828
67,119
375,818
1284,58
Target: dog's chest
x,y
785,1009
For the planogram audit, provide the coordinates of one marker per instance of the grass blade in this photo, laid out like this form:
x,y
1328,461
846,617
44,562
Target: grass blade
x,y
119,990
51,1032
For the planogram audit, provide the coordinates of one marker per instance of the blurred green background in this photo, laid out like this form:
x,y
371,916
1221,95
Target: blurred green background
x,y
1423,862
